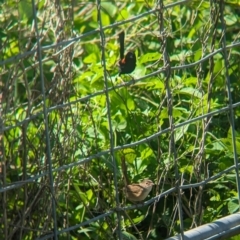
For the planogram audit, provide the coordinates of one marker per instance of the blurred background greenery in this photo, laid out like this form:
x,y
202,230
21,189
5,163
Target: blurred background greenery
x,y
78,121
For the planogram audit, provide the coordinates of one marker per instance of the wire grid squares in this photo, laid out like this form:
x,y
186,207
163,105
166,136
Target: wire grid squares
x,y
68,118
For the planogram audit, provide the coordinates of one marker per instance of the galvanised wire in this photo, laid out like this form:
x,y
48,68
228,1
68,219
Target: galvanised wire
x,y
67,44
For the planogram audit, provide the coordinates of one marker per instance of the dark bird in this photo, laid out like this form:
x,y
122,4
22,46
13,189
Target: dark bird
x,y
127,63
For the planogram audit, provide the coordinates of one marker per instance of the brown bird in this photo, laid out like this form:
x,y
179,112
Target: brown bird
x,y
137,192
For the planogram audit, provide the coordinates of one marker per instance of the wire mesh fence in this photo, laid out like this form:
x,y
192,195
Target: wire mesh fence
x,y
74,132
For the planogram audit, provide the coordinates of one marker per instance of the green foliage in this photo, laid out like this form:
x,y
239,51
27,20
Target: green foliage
x,y
78,121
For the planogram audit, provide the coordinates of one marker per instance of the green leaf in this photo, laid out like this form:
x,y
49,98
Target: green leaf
x,y
233,205
149,57
193,92
91,58
128,236
25,10
109,8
